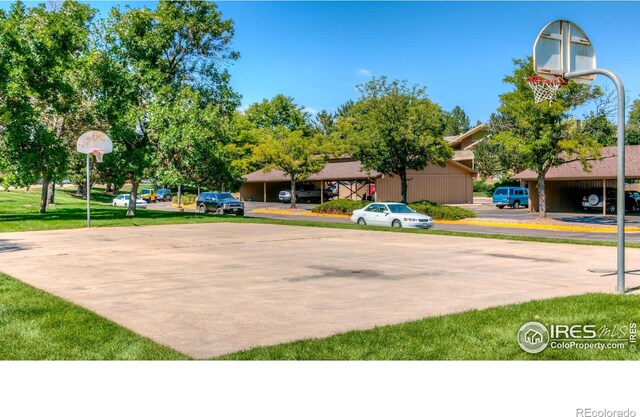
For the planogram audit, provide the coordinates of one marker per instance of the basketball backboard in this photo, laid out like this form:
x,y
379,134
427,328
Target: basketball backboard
x,y
94,140
562,47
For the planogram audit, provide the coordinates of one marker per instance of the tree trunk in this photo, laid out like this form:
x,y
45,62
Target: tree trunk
x,y
180,195
403,185
542,197
109,189
133,196
43,194
51,193
80,189
293,193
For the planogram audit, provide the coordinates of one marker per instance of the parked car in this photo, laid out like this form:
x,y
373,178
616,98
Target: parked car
x,y
304,192
514,197
148,195
332,191
164,194
391,214
593,201
122,200
219,203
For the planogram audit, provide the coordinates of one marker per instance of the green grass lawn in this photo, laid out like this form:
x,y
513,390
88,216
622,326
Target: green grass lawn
x,y
474,335
35,325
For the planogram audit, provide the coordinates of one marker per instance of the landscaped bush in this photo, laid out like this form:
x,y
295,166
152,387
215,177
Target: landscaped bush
x,y
480,186
340,206
441,211
186,198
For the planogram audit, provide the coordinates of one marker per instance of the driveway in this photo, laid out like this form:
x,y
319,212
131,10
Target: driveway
x,y
210,289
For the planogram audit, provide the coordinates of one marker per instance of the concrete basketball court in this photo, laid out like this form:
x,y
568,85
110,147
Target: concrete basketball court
x,y
210,289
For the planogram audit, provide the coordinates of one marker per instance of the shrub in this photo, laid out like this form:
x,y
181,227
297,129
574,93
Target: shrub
x,y
186,198
340,206
441,211
480,186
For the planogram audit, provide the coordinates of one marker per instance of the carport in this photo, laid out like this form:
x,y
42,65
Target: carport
x,y
567,184
352,180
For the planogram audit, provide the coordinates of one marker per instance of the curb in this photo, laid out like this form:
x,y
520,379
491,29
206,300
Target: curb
x,y
584,229
302,213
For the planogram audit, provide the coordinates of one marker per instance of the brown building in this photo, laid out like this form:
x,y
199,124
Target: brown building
x,y
451,184
464,146
566,184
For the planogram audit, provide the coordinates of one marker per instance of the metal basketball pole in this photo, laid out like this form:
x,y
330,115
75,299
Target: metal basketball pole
x,y
88,191
620,204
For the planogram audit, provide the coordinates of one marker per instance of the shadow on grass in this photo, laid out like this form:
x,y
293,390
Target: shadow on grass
x,y
97,213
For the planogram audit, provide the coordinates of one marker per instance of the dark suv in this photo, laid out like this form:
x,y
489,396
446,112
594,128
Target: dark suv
x,y
219,203
593,200
163,194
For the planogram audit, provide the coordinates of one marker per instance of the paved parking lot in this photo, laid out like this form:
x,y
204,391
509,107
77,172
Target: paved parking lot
x,y
210,289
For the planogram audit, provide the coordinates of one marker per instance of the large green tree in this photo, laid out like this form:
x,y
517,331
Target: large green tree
x,y
394,128
543,134
42,48
154,55
293,152
195,142
633,124
456,122
280,135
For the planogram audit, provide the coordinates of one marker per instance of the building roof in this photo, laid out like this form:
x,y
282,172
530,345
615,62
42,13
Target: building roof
x,y
337,169
605,168
455,140
334,170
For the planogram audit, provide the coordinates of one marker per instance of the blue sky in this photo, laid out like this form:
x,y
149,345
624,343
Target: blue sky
x,y
317,52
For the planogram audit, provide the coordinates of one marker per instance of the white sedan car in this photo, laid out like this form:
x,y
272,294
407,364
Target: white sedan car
x,y
122,200
391,214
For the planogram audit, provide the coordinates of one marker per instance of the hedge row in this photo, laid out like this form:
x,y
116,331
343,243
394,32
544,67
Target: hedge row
x,y
435,210
340,206
440,211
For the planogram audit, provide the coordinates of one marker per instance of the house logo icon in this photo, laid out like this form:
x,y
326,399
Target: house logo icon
x,y
533,337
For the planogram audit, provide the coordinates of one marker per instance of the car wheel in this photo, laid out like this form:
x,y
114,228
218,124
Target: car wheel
x,y
612,209
114,204
240,213
219,210
500,206
202,209
126,204
362,221
516,205
396,223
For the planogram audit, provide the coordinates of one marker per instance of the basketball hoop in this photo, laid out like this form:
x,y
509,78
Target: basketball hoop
x,y
98,153
94,143
544,89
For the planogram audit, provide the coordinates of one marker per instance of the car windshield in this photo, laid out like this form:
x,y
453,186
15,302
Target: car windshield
x,y
146,191
501,191
400,208
225,196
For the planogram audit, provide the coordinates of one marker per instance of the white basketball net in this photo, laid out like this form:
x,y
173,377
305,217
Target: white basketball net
x,y
544,89
99,154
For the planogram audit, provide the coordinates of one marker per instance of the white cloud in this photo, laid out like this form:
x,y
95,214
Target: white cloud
x,y
311,110
363,72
